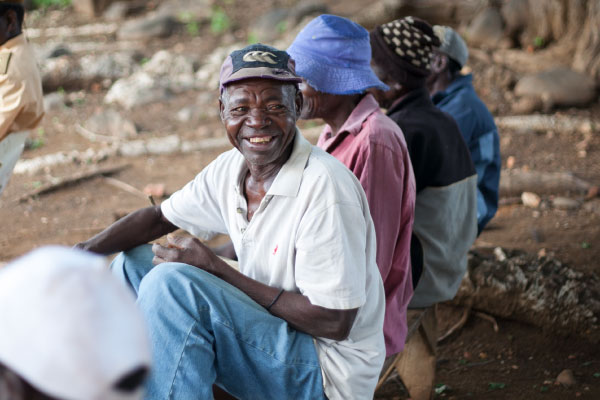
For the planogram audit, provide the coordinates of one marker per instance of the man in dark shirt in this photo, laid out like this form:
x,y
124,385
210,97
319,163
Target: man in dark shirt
x,y
445,215
445,223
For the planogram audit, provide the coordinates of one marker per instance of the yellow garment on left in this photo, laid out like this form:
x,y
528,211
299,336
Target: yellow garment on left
x,y
21,98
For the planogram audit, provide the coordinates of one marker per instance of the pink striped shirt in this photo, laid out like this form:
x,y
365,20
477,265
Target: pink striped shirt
x,y
373,147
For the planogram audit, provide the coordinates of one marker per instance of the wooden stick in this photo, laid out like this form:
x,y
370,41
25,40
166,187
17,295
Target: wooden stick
x,y
95,137
489,318
461,322
69,180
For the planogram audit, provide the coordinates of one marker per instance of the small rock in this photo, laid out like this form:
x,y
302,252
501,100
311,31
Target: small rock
x,y
530,199
564,203
111,123
486,29
558,86
154,26
542,253
54,101
139,89
499,253
155,190
514,14
527,105
185,114
133,148
592,192
566,378
510,162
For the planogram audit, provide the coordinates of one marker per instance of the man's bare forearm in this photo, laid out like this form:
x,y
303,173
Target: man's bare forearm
x,y
139,227
293,307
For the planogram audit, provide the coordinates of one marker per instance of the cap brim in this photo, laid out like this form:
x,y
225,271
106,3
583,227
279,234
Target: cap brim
x,y
262,73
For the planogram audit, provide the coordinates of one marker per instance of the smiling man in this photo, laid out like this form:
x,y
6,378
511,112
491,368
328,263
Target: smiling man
x,y
303,318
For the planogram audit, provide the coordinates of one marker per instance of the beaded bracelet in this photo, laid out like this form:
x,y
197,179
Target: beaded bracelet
x,y
274,300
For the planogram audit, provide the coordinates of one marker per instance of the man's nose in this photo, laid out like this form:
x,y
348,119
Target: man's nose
x,y
258,118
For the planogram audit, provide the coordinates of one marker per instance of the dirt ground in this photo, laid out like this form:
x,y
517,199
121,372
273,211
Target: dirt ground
x,y
518,361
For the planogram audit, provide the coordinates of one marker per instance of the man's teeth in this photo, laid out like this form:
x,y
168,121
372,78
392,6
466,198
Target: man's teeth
x,y
263,139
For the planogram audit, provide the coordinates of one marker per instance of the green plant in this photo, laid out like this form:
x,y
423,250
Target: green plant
x,y
538,41
496,385
252,38
51,3
193,28
281,26
219,21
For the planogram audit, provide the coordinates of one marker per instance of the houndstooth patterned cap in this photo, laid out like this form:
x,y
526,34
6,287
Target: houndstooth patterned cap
x,y
412,40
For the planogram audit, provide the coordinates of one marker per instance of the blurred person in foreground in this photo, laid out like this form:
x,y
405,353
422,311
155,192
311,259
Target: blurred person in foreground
x,y
303,316
333,57
69,330
21,98
445,222
453,93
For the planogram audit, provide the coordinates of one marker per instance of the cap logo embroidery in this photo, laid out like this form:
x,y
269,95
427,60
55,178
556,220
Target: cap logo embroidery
x,y
259,56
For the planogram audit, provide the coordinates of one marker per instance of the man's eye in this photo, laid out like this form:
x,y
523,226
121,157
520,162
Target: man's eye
x,y
239,109
276,107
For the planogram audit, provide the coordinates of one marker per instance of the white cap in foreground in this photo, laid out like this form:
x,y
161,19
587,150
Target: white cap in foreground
x,y
68,327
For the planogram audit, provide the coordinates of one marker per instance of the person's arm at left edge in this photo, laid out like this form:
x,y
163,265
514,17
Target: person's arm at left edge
x,y
295,308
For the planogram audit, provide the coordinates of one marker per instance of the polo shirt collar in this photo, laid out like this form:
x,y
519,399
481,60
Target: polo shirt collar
x,y
288,179
15,41
353,125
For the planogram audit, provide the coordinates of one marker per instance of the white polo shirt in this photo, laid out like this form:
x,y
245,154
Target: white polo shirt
x,y
311,234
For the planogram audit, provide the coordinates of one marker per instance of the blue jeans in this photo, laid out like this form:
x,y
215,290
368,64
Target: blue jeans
x,y
204,331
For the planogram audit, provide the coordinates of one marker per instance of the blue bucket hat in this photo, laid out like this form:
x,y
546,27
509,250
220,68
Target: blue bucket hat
x,y
333,54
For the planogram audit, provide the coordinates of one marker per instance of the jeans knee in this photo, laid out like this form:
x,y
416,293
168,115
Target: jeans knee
x,y
165,277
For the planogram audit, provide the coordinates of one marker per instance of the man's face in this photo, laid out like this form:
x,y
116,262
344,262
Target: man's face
x,y
260,119
312,100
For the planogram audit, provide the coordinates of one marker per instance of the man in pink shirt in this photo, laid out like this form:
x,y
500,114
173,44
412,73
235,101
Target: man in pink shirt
x,y
333,57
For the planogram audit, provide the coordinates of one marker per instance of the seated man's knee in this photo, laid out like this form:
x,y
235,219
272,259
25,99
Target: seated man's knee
x,y
166,277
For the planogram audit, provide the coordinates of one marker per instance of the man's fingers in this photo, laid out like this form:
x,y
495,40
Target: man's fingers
x,y
157,260
164,252
176,241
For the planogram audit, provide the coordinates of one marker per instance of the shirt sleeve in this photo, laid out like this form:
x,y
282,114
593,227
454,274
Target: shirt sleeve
x,y
11,102
383,178
196,207
330,265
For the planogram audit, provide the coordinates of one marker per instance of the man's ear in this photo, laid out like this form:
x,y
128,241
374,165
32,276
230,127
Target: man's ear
x,y
439,62
299,102
221,109
12,22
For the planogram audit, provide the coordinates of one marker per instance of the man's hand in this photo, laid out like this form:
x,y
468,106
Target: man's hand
x,y
186,250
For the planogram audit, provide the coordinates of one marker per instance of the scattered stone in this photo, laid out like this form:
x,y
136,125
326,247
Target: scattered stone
x,y
185,114
515,181
510,162
164,74
90,8
69,72
564,203
527,105
137,90
207,77
566,378
530,199
592,206
111,123
186,10
499,253
54,101
594,191
156,190
558,87
486,29
153,26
